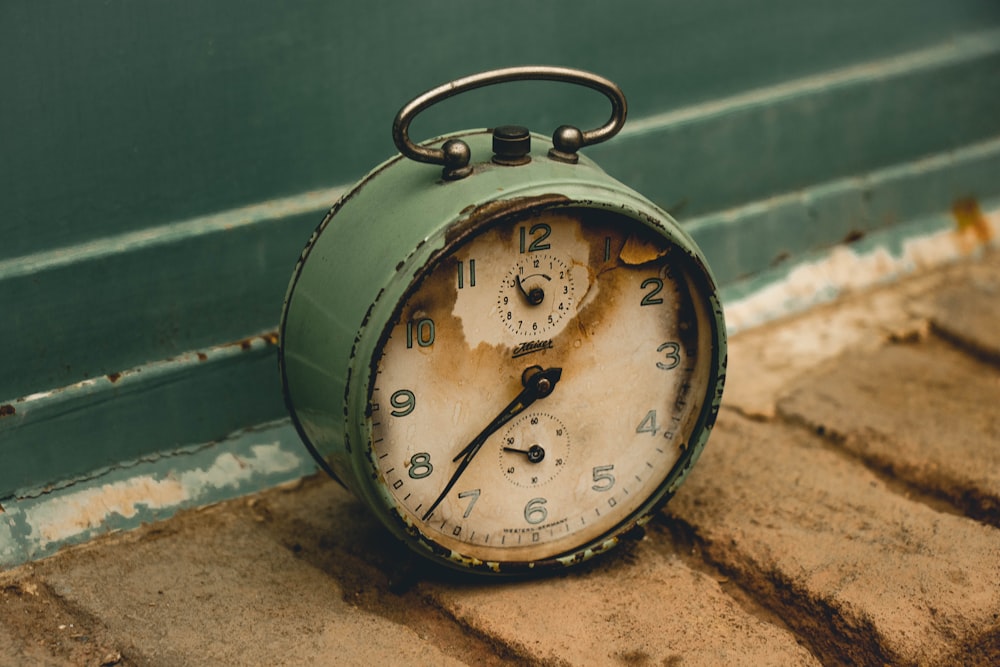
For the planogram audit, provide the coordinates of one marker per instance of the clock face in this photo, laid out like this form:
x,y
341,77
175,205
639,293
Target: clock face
x,y
540,385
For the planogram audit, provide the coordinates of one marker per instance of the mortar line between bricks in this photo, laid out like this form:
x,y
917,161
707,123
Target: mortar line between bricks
x,y
933,499
744,414
822,638
963,345
501,649
689,548
962,502
685,538
126,649
462,631
457,633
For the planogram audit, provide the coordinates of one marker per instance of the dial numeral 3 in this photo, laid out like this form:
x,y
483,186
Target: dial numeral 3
x,y
672,352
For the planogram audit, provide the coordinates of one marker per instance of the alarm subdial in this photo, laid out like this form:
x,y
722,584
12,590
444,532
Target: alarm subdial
x,y
534,449
536,295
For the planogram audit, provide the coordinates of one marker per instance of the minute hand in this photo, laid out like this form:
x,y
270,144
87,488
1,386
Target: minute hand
x,y
536,385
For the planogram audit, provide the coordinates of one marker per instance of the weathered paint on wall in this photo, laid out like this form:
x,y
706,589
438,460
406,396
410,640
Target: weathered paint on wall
x,y
38,523
56,436
888,255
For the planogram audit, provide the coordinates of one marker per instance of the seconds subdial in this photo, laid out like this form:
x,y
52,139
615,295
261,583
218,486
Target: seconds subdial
x,y
534,449
536,294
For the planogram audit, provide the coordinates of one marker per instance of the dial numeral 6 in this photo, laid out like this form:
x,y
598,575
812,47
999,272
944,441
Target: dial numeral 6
x,y
535,512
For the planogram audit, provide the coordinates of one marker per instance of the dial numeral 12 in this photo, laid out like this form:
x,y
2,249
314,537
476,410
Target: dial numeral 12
x,y
536,242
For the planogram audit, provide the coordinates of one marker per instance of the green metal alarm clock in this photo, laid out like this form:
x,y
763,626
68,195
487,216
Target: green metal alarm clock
x,y
510,357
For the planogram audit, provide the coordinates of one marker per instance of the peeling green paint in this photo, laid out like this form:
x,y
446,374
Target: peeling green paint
x,y
878,258
39,522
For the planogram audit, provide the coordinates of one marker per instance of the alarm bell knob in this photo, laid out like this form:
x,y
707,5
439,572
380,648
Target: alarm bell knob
x,y
566,141
511,145
456,159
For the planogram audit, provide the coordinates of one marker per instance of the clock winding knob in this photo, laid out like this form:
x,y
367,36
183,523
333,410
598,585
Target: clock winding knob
x,y
511,145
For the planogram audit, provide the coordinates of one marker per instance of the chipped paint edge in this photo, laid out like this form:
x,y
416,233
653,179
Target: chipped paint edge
x,y
36,525
879,258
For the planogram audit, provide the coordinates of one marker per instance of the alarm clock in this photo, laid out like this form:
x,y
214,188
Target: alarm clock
x,y
510,357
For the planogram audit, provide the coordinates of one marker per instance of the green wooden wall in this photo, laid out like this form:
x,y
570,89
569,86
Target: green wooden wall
x,y
162,164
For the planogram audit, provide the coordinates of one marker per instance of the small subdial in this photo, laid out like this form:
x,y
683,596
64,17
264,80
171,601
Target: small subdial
x,y
534,449
536,294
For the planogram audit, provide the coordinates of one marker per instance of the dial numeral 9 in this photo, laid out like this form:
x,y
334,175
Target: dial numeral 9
x,y
404,401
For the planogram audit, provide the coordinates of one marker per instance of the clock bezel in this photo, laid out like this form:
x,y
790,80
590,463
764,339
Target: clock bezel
x,y
386,312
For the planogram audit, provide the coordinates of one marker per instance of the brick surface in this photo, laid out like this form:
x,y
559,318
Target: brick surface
x,y
763,361
960,300
968,311
868,575
641,606
925,412
647,609
39,629
213,589
15,650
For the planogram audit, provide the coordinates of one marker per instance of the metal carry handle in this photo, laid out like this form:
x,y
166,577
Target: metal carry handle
x,y
455,154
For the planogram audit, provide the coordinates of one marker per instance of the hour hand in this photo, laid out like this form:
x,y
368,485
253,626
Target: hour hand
x,y
535,295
